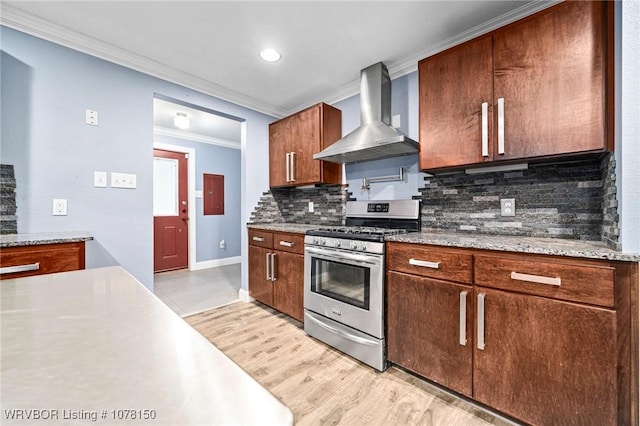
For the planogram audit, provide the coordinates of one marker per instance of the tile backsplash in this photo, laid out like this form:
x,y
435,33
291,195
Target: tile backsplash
x,y
575,200
569,200
8,221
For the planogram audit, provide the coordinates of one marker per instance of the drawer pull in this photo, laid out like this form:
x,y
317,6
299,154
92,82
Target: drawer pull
x,y
536,279
260,239
286,243
19,268
424,263
480,339
463,318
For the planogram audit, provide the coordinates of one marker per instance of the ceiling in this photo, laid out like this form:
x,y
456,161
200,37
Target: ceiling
x,y
212,46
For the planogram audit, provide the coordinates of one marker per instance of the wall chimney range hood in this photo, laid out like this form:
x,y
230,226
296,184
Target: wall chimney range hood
x,y
375,138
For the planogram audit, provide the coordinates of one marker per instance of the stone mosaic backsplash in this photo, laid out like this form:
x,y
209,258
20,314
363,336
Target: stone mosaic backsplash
x,y
292,205
569,200
8,221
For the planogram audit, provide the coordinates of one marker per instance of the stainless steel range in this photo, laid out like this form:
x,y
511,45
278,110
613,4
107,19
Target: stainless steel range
x,y
344,276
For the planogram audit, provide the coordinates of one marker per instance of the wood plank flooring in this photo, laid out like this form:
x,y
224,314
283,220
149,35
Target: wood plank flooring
x,y
321,385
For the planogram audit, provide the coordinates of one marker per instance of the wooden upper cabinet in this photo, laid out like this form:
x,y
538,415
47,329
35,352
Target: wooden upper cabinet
x,y
279,147
550,72
453,87
547,81
293,141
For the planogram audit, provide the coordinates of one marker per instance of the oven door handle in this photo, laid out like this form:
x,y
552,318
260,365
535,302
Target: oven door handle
x,y
341,333
343,256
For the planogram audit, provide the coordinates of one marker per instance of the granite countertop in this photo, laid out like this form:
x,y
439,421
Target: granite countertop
x,y
535,245
16,240
96,343
297,228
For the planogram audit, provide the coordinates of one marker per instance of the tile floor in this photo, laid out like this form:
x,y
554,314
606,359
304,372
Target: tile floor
x,y
188,292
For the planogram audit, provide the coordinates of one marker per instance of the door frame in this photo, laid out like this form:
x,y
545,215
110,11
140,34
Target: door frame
x,y
191,190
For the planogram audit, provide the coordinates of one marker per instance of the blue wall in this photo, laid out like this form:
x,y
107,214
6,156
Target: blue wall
x,y
218,160
404,102
45,91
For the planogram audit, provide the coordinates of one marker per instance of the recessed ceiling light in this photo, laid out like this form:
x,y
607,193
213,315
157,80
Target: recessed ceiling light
x,y
270,55
181,121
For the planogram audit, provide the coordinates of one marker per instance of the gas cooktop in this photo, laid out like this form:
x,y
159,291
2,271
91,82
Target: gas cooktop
x,y
356,232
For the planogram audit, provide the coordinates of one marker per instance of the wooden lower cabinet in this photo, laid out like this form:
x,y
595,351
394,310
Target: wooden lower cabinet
x,y
547,340
276,277
424,332
41,259
546,362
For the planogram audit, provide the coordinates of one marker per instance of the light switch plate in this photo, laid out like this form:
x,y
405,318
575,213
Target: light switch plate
x,y
100,179
123,180
310,206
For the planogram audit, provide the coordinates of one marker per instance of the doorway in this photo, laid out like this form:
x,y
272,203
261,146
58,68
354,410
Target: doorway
x,y
170,211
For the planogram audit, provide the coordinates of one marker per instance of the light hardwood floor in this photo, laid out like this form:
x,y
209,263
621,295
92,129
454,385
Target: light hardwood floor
x,y
321,385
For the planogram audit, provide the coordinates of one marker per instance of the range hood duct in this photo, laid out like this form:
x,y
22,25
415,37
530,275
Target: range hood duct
x,y
375,138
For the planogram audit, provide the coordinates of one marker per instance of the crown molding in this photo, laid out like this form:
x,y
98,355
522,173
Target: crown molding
x,y
19,20
410,65
181,134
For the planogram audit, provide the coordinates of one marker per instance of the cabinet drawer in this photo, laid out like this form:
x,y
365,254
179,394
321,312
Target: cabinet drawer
x,y
572,282
293,243
430,261
260,238
41,259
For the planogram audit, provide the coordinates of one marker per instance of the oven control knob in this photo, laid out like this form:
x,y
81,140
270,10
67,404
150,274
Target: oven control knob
x,y
323,241
338,243
363,247
354,245
316,240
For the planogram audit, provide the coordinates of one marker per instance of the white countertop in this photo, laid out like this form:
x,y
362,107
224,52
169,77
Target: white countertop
x,y
96,342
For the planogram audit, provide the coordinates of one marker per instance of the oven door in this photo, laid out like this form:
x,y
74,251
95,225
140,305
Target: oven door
x,y
346,287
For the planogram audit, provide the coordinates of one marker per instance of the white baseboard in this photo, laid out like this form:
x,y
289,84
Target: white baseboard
x,y
243,295
216,262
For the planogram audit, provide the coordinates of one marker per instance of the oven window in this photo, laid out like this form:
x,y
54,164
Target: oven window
x,y
340,281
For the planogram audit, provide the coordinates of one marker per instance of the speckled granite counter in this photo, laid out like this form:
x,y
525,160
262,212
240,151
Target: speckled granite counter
x,y
283,227
550,246
96,347
15,240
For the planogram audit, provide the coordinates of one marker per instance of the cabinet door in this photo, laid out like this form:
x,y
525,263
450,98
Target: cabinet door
x,y
305,141
279,147
289,284
549,71
546,361
260,288
453,87
424,331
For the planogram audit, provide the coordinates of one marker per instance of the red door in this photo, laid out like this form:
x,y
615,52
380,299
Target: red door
x,y
170,211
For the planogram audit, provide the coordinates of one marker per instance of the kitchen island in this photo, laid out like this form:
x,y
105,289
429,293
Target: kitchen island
x,y
95,346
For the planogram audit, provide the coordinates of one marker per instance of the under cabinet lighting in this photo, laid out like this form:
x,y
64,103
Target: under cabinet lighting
x,y
504,168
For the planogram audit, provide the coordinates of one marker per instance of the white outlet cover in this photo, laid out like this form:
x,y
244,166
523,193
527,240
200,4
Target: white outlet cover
x,y
310,206
91,117
508,207
59,207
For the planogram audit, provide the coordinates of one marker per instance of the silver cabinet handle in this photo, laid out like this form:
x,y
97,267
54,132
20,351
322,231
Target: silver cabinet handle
x,y
485,129
424,263
536,279
286,243
293,167
288,167
19,268
500,125
348,336
480,338
267,266
463,318
273,267
260,239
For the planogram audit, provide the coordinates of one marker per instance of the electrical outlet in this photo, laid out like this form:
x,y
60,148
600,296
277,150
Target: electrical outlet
x,y
59,207
508,207
222,244
310,206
